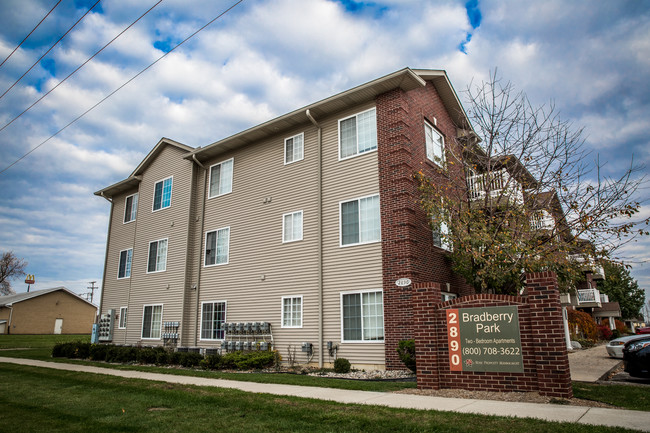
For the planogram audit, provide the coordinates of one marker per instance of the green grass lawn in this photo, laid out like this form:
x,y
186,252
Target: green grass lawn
x,y
44,400
40,347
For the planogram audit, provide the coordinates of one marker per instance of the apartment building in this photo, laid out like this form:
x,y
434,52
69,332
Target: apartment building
x,y
304,223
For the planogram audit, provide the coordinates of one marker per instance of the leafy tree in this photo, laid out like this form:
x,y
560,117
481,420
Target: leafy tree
x,y
11,267
528,199
622,288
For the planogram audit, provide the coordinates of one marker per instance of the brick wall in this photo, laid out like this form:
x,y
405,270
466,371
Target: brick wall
x,y
545,358
407,243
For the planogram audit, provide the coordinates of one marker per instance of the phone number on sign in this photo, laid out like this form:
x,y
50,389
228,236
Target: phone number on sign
x,y
491,351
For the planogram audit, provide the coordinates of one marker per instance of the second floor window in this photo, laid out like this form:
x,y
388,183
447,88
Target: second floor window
x,y
124,268
435,145
292,227
440,231
293,149
358,134
157,256
221,178
131,208
217,246
360,221
162,194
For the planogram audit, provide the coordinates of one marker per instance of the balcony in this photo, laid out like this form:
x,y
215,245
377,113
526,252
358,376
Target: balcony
x,y
499,185
589,298
589,265
542,220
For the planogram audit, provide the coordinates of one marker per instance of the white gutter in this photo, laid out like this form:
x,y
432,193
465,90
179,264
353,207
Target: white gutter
x,y
319,216
200,267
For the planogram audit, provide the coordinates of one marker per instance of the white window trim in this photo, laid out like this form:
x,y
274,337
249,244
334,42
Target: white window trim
x,y
225,319
231,180
124,221
154,194
339,136
341,221
205,245
162,311
123,317
149,252
443,162
353,292
301,312
302,222
302,135
130,267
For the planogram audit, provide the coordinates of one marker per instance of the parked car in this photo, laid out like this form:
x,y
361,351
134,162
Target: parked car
x,y
645,330
615,347
636,355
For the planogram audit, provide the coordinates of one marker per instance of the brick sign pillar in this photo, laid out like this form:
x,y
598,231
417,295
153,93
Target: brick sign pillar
x,y
541,356
551,356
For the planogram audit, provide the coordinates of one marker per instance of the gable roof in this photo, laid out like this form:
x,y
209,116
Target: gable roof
x,y
9,300
136,177
405,79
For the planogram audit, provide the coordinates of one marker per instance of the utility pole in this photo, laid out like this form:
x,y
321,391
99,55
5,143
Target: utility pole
x,y
92,290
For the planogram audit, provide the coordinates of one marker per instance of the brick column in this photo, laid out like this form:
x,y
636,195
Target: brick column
x,y
425,298
551,357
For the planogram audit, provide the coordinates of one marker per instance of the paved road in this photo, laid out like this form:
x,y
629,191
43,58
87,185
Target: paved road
x,y
631,419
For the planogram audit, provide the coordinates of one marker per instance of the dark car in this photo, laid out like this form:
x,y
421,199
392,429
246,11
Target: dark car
x,y
636,355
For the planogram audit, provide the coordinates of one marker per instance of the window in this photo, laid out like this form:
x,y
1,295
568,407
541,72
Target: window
x,y
221,178
358,134
360,221
122,323
162,194
435,144
213,316
157,256
292,227
441,234
216,247
152,321
293,148
292,312
124,268
363,316
131,208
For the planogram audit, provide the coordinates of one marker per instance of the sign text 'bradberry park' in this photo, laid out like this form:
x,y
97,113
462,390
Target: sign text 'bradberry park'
x,y
484,339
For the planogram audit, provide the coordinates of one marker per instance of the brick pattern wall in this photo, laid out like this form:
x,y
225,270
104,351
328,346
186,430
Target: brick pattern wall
x,y
545,358
407,242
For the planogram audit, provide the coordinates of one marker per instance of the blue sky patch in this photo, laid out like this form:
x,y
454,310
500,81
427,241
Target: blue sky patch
x,y
164,46
359,8
475,17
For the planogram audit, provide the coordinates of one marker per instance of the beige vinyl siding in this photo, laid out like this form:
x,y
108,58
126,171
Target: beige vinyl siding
x,y
261,268
349,268
168,287
115,292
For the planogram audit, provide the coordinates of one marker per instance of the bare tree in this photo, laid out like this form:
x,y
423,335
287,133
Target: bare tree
x,y
10,267
532,197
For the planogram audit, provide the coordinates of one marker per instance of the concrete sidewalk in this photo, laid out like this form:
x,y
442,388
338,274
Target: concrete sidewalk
x,y
578,414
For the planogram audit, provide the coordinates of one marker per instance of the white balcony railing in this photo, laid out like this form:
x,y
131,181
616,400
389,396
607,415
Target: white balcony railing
x,y
589,296
499,184
590,265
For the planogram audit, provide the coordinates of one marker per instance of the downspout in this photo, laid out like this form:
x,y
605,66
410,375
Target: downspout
x,y
108,237
11,314
319,216
200,267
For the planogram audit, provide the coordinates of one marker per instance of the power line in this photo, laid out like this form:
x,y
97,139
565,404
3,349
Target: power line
x,y
50,49
30,33
81,66
120,87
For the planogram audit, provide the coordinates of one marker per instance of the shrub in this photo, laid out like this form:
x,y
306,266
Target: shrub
x,y
582,325
72,349
406,351
341,365
211,362
121,354
604,332
255,361
147,355
98,352
162,357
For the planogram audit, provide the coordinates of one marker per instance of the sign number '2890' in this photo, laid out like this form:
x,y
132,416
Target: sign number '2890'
x,y
453,337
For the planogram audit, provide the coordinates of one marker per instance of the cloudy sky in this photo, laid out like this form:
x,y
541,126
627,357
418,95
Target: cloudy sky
x,y
258,61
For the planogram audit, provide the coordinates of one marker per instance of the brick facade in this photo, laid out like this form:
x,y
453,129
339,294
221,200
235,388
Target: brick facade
x,y
545,358
407,243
